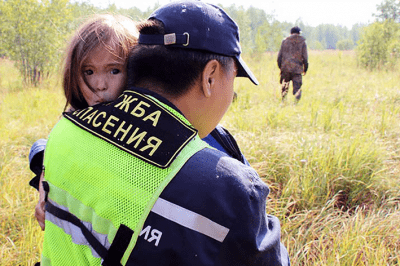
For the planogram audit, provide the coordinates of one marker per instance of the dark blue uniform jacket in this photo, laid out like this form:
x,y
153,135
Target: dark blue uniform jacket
x,y
211,213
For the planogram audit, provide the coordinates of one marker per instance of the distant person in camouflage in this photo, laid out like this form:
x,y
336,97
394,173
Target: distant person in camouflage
x,y
293,62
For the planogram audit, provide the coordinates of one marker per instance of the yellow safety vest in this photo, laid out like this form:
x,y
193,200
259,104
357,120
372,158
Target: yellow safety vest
x,y
105,167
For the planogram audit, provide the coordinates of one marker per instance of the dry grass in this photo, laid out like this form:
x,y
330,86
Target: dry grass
x,y
332,161
27,114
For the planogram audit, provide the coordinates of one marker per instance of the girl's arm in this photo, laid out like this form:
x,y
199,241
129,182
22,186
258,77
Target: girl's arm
x,y
39,209
36,155
36,161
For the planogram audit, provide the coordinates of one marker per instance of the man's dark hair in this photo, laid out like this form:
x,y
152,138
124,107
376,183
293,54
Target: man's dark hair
x,y
174,69
295,30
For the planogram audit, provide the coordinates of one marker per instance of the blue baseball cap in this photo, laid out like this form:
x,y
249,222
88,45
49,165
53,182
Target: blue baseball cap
x,y
199,26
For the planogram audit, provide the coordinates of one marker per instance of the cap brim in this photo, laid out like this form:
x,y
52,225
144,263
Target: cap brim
x,y
244,71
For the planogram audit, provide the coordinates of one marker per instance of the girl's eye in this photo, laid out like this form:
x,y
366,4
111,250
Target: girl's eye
x,y
115,71
88,72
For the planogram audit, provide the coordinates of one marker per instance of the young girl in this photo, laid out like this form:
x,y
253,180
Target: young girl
x,y
95,66
94,72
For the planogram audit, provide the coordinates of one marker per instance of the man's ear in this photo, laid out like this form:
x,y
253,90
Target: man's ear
x,y
209,76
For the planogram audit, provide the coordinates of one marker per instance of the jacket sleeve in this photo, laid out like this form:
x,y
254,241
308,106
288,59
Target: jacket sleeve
x,y
36,155
227,142
254,236
305,57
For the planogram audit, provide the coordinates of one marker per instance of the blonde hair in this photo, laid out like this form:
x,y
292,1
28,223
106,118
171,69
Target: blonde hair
x,y
116,33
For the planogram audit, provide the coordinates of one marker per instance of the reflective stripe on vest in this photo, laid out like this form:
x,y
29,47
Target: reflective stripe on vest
x,y
164,208
108,187
76,232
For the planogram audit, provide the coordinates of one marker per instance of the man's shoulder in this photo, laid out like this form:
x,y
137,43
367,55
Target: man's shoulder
x,y
211,170
210,161
302,39
295,38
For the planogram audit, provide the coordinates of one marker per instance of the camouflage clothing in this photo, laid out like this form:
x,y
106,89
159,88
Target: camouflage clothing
x,y
286,77
292,61
293,57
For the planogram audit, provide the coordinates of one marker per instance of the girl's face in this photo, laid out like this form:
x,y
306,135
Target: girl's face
x,y
105,73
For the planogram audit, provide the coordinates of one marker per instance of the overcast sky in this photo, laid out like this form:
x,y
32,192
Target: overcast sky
x,y
312,12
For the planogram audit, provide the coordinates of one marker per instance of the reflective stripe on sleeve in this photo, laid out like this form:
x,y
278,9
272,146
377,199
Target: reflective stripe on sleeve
x,y
190,219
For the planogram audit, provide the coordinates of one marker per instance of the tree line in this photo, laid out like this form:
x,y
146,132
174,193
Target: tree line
x,y
379,46
34,33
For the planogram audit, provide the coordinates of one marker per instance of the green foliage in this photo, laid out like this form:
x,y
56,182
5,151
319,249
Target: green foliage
x,y
356,31
239,15
266,32
346,44
379,45
316,45
326,36
269,37
329,35
135,13
80,12
32,33
262,33
388,9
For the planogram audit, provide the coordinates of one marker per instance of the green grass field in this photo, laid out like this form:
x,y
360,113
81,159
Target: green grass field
x,y
332,161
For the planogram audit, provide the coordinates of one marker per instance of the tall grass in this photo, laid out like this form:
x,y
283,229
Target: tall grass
x,y
26,114
331,161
